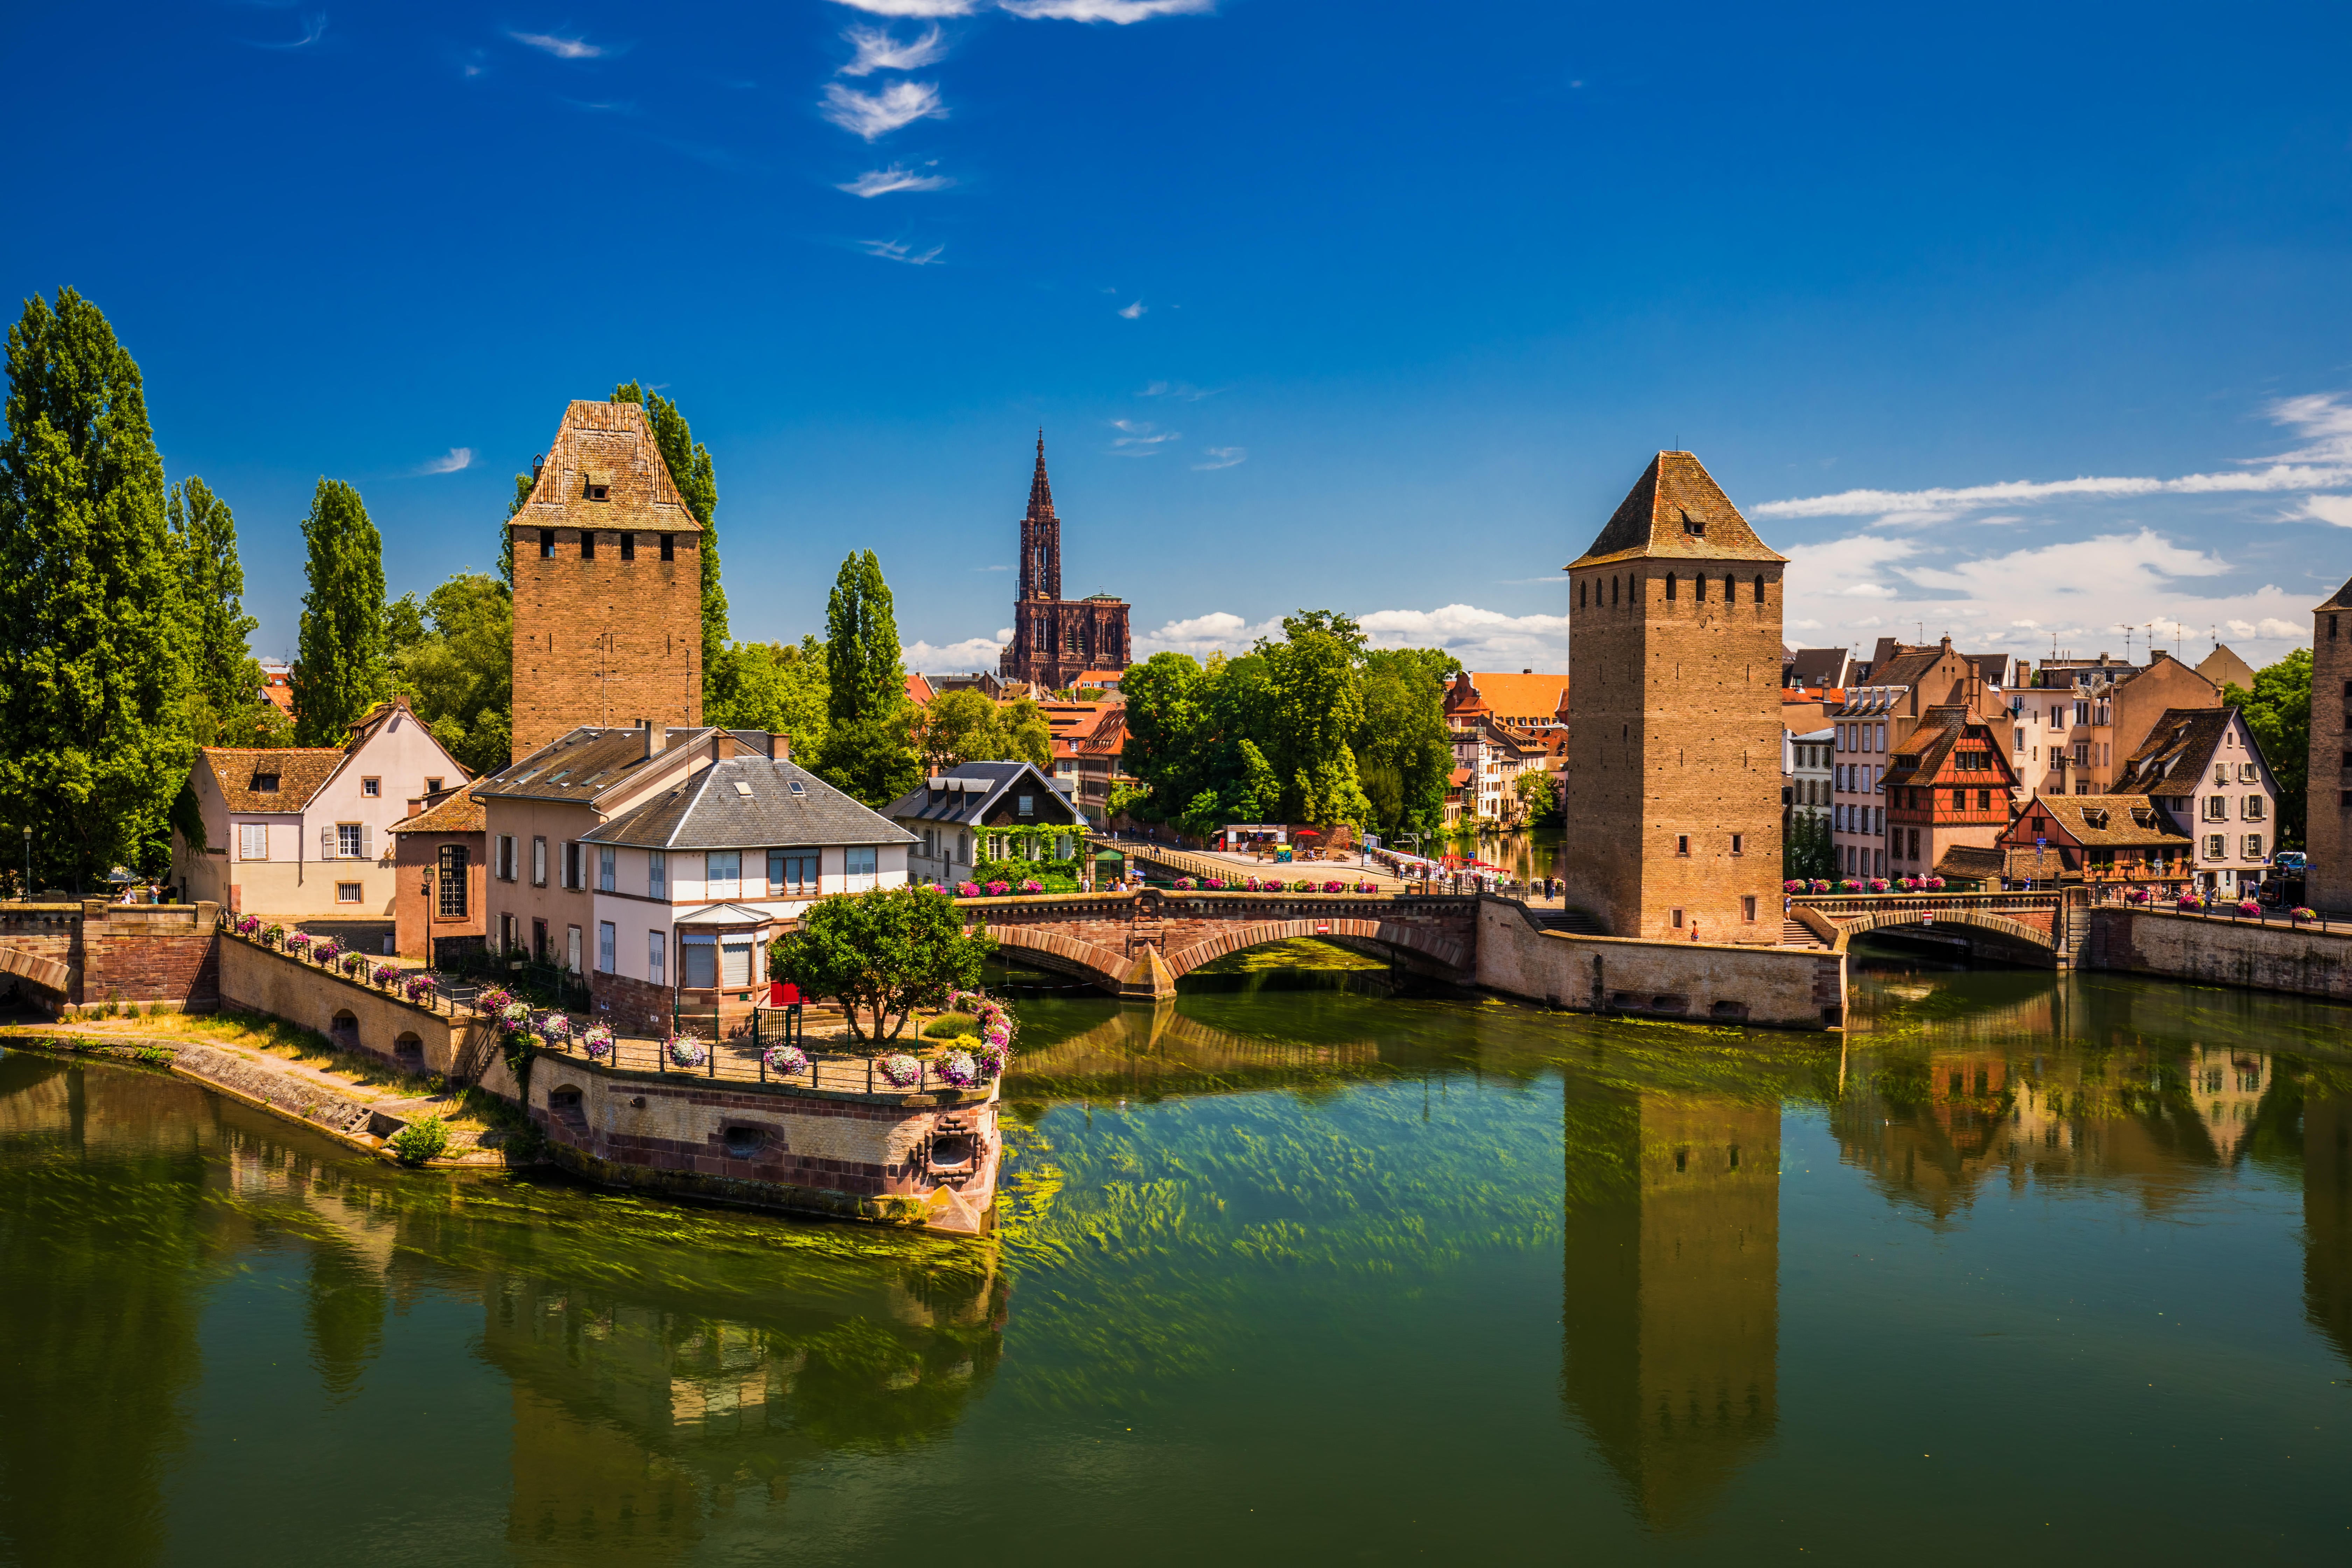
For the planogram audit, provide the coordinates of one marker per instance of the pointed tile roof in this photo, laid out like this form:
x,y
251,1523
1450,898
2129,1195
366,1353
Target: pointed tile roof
x,y
1041,489
1675,511
609,446
2340,600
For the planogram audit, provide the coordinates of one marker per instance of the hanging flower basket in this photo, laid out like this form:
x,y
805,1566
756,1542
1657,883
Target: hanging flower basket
x,y
1185,884
553,1027
2299,912
386,976
899,1070
514,1018
785,1059
1213,884
1908,884
596,1039
1850,886
1933,884
2190,901
326,951
1878,884
961,1068
967,889
493,1001
687,1050
298,943
998,889
1821,885
2249,907
417,989
1031,885
1793,885
2137,896
1304,884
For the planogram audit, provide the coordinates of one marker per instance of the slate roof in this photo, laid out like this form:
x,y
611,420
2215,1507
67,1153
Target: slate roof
x,y
2339,600
2178,748
748,802
1675,495
1820,667
301,771
969,807
585,764
456,812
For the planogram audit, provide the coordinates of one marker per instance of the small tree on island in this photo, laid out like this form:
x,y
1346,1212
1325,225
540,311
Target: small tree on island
x,y
881,955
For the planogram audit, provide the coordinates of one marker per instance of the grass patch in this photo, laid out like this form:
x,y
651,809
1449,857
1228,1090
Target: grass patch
x,y
1298,953
948,1025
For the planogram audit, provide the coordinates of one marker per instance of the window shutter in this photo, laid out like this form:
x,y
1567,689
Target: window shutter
x,y
367,841
327,843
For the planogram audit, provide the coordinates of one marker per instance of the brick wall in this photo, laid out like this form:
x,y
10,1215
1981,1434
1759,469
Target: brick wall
x,y
416,903
121,952
604,640
2327,884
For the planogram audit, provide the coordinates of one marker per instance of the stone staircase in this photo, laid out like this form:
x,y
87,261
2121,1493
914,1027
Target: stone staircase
x,y
1794,933
1575,922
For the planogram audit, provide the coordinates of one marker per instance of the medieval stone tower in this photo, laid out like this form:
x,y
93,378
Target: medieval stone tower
x,y
1673,696
608,583
2328,883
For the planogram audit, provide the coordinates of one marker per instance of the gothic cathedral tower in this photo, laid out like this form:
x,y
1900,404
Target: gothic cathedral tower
x,y
1673,696
1041,536
2328,879
1055,641
607,583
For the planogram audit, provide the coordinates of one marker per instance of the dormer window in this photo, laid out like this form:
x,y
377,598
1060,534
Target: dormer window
x,y
1692,528
597,485
264,783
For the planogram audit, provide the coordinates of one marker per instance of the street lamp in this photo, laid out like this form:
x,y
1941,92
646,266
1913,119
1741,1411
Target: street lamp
x,y
28,862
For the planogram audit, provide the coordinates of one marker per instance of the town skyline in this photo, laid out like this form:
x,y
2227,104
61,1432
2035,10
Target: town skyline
x,y
2004,376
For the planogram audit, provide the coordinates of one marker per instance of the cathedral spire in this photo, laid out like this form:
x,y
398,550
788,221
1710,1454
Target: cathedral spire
x,y
1041,490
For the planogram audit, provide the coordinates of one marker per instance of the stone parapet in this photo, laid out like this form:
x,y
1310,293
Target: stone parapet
x,y
1779,987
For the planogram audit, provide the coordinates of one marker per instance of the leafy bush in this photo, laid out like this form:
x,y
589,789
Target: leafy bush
x,y
948,1025
420,1140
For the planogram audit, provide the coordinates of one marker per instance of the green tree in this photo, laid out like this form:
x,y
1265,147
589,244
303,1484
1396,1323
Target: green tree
x,y
457,668
340,669
1808,848
880,955
869,750
225,680
697,486
94,676
1404,751
2278,711
959,726
777,686
1028,734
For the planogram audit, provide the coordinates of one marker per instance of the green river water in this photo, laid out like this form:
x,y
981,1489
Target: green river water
x,y
2025,1268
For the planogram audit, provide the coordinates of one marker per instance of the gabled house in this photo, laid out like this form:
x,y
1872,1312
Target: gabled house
x,y
1948,783
437,855
303,831
2204,769
2060,838
973,812
688,887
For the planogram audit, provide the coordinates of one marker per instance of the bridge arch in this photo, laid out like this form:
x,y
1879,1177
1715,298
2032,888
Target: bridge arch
x,y
2016,931
1413,940
1063,952
47,974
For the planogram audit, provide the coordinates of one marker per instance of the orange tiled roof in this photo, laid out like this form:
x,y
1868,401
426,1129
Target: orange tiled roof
x,y
459,811
299,772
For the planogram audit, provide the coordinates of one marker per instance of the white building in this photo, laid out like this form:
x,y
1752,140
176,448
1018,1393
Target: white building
x,y
1808,761
978,811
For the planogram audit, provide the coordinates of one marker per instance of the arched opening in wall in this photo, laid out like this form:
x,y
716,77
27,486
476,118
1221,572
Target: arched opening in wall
x,y
563,1108
409,1051
1670,587
344,1031
1759,588
1731,589
1735,1012
743,1143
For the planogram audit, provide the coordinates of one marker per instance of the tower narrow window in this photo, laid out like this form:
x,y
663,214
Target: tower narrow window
x,y
628,547
587,545
546,544
1613,590
1698,587
1731,589
1759,588
668,547
1670,587
1579,595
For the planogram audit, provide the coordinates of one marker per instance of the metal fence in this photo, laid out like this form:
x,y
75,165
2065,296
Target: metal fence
x,y
741,1061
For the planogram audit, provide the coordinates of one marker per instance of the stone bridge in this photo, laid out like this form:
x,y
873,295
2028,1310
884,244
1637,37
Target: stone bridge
x,y
2035,928
1140,944
58,956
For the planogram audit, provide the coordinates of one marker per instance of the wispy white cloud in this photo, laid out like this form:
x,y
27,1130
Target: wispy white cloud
x,y
1120,11
896,250
918,8
2324,462
871,115
896,177
1223,456
1219,631
878,50
1132,311
1000,567
561,48
1140,438
2336,509
313,29
458,458
607,105
1183,391
973,654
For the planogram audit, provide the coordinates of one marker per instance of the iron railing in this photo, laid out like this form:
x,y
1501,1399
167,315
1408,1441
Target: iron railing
x,y
743,1061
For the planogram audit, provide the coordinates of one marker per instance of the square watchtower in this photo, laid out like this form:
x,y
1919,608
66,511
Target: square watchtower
x,y
2327,834
1674,698
607,583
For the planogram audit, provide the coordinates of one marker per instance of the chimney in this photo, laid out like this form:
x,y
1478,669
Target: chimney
x,y
651,738
779,746
416,806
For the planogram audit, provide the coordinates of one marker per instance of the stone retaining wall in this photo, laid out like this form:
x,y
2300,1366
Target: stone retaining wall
x,y
1783,987
94,952
257,979
2305,961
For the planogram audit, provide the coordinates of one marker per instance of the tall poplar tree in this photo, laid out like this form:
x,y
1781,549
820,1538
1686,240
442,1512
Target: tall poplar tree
x,y
868,749
340,669
698,485
94,657
226,676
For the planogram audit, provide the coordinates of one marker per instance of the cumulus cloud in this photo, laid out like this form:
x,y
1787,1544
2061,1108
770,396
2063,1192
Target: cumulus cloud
x,y
896,177
880,50
875,114
561,48
970,656
1223,456
1140,438
2336,509
1219,631
896,250
1134,311
457,458
1478,637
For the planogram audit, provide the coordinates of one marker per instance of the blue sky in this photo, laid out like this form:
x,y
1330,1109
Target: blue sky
x,y
1377,307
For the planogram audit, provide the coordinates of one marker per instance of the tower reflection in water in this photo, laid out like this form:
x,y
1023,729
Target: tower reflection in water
x,y
1670,1313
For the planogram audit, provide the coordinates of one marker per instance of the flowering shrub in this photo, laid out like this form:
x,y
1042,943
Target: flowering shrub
x,y
2249,907
967,889
2300,913
900,1069
299,943
959,1068
552,1027
1935,884
998,889
596,1039
1031,885
417,988
272,934
1793,885
494,1001
1185,884
1304,884
686,1049
784,1058
514,1018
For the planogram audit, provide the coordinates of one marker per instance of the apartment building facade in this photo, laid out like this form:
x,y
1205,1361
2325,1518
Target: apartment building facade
x,y
2204,768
